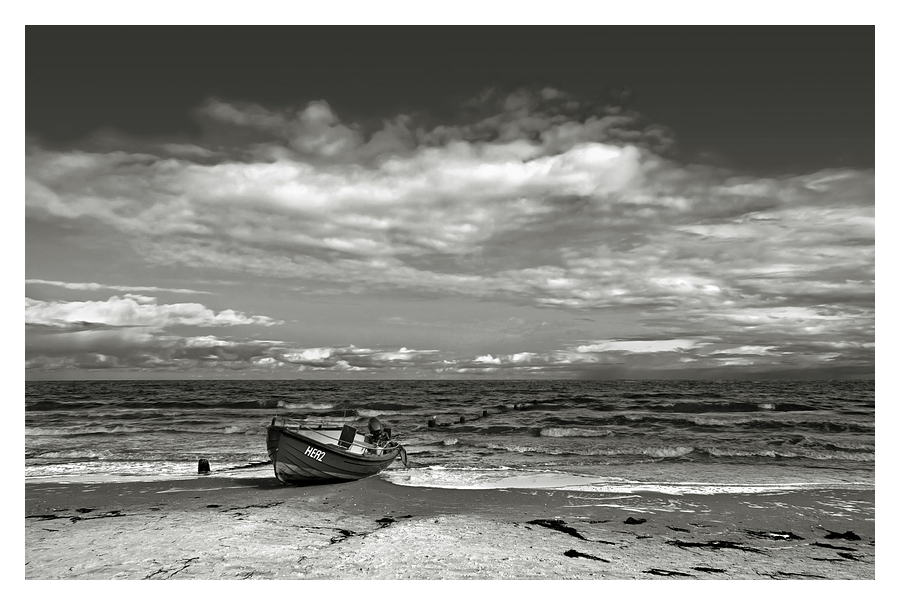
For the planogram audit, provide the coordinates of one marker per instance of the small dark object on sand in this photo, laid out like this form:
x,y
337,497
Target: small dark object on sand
x,y
203,466
666,572
575,554
344,534
713,545
558,525
633,521
847,535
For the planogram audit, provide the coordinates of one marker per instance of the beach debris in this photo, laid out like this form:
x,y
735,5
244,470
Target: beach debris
x,y
774,535
666,572
709,569
714,545
75,518
575,554
843,551
203,466
112,513
557,525
633,521
344,534
45,517
385,521
847,535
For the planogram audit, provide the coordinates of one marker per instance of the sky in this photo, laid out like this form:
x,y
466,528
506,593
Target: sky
x,y
597,202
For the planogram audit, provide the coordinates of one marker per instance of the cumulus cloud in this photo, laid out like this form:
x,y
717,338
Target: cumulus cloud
x,y
638,346
133,310
540,198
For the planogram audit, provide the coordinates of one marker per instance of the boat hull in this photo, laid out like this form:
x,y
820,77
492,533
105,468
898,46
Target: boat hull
x,y
302,458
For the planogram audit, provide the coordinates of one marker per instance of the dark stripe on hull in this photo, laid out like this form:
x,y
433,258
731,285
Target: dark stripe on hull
x,y
292,463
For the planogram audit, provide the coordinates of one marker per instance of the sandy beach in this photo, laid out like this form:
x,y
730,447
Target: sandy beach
x,y
222,528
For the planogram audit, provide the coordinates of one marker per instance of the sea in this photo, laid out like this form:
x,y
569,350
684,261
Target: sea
x,y
674,437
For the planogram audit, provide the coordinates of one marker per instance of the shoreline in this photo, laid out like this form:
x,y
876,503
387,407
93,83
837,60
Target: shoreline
x,y
212,527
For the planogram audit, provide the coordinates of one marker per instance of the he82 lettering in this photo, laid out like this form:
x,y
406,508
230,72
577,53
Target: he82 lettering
x,y
315,454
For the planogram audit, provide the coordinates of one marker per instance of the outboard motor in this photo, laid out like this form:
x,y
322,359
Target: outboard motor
x,y
379,433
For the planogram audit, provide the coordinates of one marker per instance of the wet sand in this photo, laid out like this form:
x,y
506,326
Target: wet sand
x,y
221,528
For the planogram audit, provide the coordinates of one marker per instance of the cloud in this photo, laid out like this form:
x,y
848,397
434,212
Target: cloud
x,y
134,310
638,346
96,286
539,199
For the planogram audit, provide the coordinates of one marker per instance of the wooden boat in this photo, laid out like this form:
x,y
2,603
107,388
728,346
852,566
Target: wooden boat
x,y
304,454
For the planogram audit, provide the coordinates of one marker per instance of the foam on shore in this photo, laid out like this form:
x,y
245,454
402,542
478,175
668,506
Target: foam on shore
x,y
506,478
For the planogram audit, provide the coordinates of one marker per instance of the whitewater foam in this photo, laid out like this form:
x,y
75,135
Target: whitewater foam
x,y
505,478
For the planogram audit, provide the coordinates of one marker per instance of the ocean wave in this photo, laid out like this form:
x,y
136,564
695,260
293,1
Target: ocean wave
x,y
44,432
719,421
522,449
810,454
150,404
768,423
95,454
813,442
386,413
573,432
306,406
842,455
77,431
652,452
145,430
